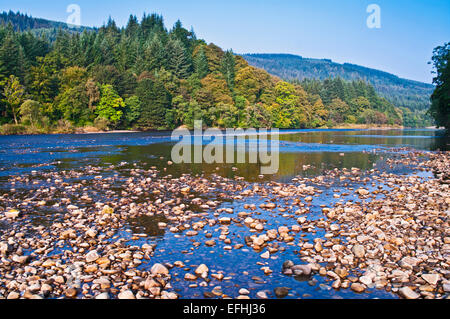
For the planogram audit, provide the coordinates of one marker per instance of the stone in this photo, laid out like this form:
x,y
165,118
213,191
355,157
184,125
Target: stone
x,y
127,295
91,233
408,293
13,214
191,233
262,295
301,270
432,279
366,280
446,287
281,292
266,255
185,190
358,251
169,295
356,287
202,269
409,262
107,210
4,248
218,276
13,295
91,269
49,263
150,283
71,293
244,291
288,264
92,256
259,241
159,269
225,220
363,192
318,247
210,243
46,289
102,296
190,277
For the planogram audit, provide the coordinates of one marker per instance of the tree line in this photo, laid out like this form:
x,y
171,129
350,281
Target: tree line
x,y
146,77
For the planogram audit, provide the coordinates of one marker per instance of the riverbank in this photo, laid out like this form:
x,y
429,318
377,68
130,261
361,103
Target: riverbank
x,y
369,126
22,130
125,231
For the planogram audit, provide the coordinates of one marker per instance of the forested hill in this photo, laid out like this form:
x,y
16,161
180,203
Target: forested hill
x,y
146,76
23,22
407,93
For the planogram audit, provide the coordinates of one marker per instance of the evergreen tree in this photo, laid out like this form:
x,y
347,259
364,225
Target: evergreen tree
x,y
178,61
440,107
228,68
11,58
201,63
155,100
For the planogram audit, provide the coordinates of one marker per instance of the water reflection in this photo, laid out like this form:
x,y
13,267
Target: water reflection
x,y
320,149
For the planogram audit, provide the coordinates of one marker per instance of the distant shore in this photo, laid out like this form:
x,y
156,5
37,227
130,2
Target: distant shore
x,y
93,130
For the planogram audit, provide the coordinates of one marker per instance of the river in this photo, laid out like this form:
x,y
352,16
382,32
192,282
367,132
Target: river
x,y
28,162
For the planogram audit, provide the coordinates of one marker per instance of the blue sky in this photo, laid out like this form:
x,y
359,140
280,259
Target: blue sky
x,y
330,29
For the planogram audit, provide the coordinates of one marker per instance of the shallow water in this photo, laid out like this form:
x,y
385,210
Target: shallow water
x,y
302,152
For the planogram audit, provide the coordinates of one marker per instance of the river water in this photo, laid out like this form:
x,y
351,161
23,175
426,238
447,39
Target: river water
x,y
305,153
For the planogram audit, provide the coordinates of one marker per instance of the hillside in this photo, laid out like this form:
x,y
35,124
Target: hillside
x,y
38,26
401,92
145,76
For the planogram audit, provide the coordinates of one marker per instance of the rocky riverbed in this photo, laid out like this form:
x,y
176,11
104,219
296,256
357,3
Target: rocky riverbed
x,y
127,231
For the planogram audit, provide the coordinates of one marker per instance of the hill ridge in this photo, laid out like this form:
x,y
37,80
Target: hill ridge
x,y
400,91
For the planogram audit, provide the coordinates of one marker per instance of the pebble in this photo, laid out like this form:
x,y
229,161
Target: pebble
x,y
159,269
408,293
356,287
127,295
281,292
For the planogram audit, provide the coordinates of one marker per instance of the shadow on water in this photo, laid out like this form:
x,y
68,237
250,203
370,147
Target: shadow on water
x,y
148,225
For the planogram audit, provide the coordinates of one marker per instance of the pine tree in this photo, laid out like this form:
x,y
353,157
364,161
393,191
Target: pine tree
x,y
178,61
11,59
201,63
132,26
155,100
228,68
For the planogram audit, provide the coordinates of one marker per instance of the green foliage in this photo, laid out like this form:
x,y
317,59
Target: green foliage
x,y
30,112
132,110
228,68
146,77
14,95
346,101
155,100
111,105
73,105
400,92
201,63
440,106
13,129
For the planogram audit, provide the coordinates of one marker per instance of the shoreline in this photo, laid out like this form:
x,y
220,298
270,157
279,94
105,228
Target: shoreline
x,y
87,131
